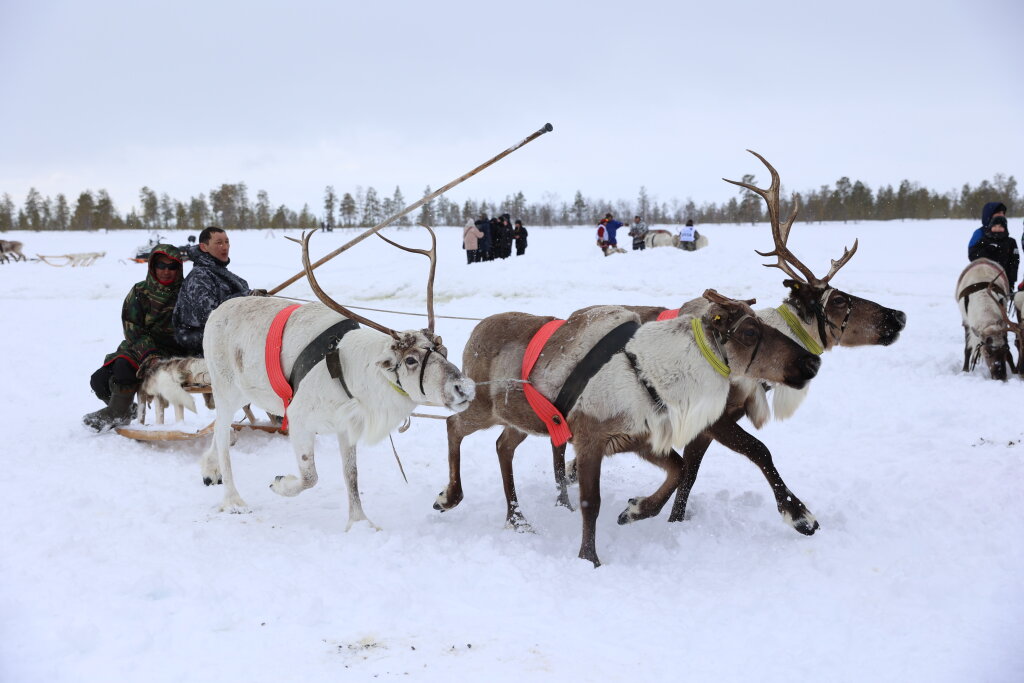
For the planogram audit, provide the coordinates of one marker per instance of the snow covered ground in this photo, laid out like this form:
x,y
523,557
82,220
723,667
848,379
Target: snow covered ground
x,y
115,565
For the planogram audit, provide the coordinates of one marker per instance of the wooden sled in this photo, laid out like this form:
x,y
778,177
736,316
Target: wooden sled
x,y
141,433
73,260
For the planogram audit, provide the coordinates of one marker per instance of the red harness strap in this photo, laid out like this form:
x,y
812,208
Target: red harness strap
x,y
669,314
552,418
278,382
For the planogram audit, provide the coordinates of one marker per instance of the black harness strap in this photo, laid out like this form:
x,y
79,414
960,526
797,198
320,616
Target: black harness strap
x,y
967,291
596,358
325,345
659,405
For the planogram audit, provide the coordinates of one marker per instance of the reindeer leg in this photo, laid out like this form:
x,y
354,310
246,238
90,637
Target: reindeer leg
x,y
355,505
693,456
460,425
221,439
506,447
650,506
588,468
159,406
303,442
792,509
561,481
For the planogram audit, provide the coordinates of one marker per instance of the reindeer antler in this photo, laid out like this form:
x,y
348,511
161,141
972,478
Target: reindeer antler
x,y
322,295
430,254
787,260
714,297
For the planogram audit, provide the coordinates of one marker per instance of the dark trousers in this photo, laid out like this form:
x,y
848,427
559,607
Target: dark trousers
x,y
119,370
520,249
471,256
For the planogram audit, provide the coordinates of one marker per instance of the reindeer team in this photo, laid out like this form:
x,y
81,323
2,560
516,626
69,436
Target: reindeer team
x,y
609,379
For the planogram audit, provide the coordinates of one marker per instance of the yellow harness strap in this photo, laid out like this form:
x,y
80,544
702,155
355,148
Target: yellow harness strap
x,y
705,350
798,329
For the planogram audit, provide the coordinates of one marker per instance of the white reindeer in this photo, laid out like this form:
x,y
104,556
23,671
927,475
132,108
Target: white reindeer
x,y
981,293
383,375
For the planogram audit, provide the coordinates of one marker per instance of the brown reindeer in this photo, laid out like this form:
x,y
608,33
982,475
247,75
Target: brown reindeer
x,y
657,388
11,250
814,313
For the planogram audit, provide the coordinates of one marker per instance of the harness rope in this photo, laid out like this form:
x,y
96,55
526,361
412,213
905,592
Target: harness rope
x,y
722,368
798,329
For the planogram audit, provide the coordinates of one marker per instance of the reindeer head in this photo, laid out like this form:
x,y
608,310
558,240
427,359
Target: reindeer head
x,y
416,361
834,317
749,348
994,346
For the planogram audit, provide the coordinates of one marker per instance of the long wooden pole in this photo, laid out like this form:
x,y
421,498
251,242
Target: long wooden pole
x,y
415,205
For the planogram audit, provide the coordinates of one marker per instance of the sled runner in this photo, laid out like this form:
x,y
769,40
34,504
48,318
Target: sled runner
x,y
142,432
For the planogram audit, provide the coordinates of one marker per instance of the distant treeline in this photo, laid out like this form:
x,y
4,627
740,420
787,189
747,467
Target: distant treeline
x,y
229,206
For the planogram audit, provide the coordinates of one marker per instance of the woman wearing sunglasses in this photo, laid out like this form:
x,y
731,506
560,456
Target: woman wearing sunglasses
x,y
148,336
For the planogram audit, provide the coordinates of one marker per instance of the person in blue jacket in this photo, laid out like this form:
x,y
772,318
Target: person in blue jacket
x,y
988,212
611,227
997,245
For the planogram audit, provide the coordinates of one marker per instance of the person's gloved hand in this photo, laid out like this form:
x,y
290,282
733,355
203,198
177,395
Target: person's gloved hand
x,y
258,292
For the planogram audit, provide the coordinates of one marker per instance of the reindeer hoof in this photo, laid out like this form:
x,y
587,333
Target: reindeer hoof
x,y
235,507
445,501
563,501
632,512
806,524
806,527
571,475
208,481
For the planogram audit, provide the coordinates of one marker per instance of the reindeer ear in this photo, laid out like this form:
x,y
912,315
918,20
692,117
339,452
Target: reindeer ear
x,y
793,285
717,318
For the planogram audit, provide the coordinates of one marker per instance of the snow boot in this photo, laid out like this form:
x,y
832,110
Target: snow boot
x,y
119,411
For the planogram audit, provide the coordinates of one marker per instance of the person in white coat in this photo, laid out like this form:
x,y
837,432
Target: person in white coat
x,y
688,237
471,240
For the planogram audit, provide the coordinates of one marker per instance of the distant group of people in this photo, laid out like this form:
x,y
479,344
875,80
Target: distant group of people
x,y
488,239
607,239
992,241
164,316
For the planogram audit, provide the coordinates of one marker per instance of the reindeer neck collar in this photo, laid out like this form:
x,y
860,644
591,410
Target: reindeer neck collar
x,y
398,387
798,329
720,366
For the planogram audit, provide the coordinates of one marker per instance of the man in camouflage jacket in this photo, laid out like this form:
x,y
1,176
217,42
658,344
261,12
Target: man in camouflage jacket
x,y
148,335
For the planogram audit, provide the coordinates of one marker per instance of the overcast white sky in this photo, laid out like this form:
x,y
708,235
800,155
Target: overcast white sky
x,y
289,97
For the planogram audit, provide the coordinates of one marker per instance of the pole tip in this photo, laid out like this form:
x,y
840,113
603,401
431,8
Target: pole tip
x,y
548,127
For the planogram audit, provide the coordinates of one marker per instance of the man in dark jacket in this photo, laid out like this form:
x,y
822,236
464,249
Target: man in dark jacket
x,y
997,245
988,212
208,286
519,234
148,336
485,247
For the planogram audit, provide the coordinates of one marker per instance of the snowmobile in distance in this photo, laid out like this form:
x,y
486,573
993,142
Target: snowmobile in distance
x,y
143,252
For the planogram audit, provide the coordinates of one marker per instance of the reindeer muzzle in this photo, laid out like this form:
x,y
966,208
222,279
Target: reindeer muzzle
x,y
891,327
803,371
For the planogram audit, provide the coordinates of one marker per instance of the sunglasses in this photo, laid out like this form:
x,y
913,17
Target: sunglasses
x,y
167,266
